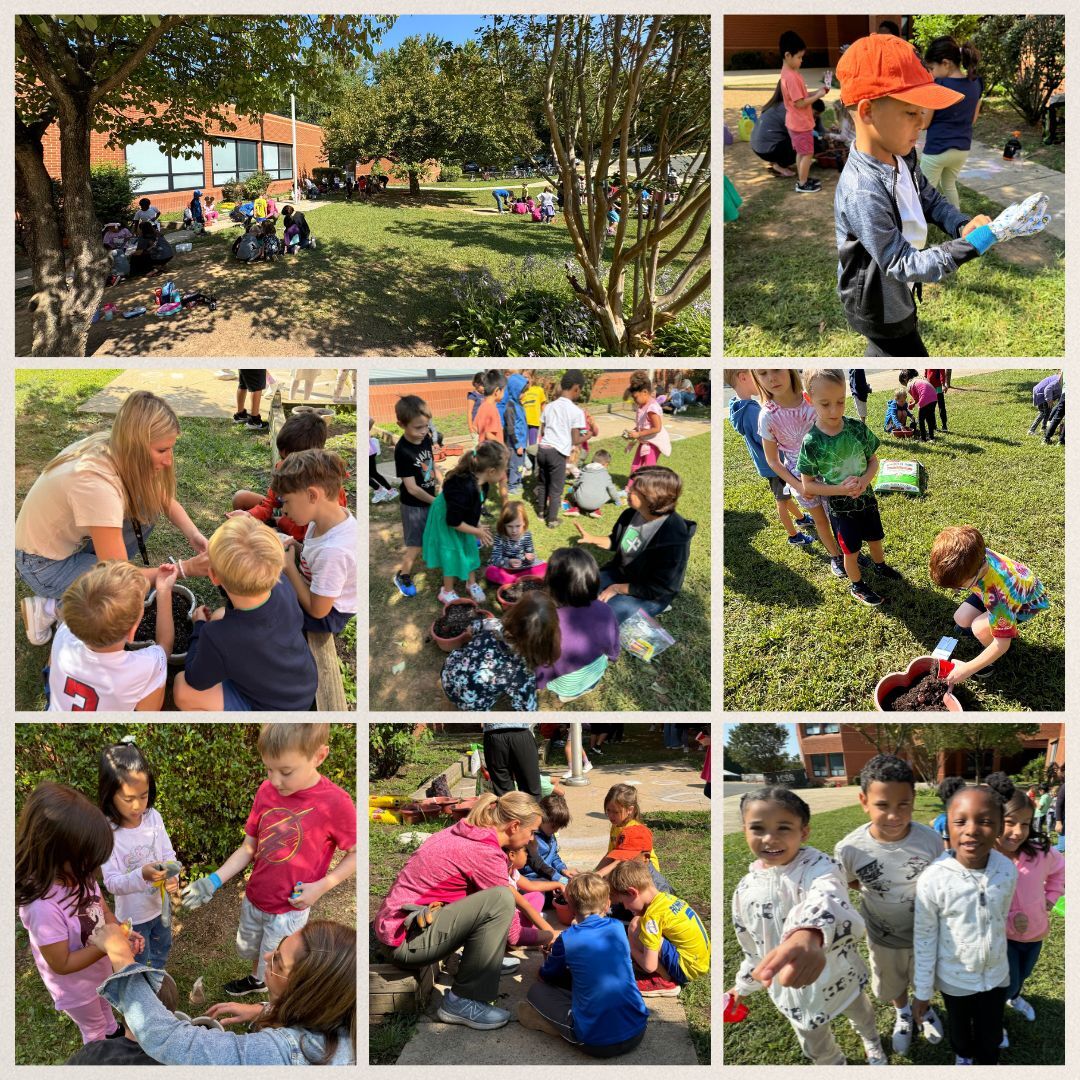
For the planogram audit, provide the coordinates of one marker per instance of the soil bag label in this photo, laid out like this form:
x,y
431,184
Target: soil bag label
x,y
908,477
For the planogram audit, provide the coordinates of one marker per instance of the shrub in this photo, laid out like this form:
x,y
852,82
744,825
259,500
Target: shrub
x,y
1025,55
113,191
749,61
207,775
925,28
689,334
256,184
449,173
390,747
232,191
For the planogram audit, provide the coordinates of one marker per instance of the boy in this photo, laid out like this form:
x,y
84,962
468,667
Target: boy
x,y
837,459
744,412
488,420
89,669
562,427
147,213
250,655
473,400
414,463
883,859
1044,396
587,995
594,488
545,862
883,202
799,107
668,941
898,416
512,415
302,431
961,561
297,822
325,579
534,399
255,381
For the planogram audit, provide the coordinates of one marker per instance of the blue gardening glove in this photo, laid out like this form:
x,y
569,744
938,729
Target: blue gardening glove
x,y
1021,219
200,892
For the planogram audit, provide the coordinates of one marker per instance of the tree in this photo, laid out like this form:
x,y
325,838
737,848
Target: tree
x,y
930,740
759,747
924,28
979,738
165,78
887,738
1025,54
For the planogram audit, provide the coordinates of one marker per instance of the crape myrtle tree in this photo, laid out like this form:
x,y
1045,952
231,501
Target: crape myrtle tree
x,y
165,78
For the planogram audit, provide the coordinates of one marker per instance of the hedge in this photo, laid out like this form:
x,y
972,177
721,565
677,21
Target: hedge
x,y
207,775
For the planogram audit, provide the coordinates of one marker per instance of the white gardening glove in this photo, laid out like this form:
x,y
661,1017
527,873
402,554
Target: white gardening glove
x,y
1021,219
200,892
827,79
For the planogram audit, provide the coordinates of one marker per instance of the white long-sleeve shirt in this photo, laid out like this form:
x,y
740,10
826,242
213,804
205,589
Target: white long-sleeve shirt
x,y
136,898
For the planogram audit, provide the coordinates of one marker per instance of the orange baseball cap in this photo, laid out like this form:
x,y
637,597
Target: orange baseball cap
x,y
882,65
633,841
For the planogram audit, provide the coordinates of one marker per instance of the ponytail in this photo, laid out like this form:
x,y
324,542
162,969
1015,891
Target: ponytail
x,y
777,97
488,455
491,812
969,59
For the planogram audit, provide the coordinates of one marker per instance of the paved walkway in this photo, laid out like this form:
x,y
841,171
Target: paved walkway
x,y
818,799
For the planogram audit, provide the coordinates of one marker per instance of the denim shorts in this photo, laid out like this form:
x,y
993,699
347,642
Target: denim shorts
x,y
51,577
231,698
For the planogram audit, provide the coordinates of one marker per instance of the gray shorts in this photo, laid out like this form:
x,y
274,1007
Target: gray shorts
x,y
413,520
778,488
260,932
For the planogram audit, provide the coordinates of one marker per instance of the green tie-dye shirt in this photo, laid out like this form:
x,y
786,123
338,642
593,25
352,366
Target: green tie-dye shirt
x,y
833,458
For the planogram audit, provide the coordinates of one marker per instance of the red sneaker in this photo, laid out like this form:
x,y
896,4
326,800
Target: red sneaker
x,y
655,986
573,511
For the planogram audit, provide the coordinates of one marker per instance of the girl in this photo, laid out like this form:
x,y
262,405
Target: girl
x,y
529,900
383,492
513,553
624,812
588,629
798,930
785,419
502,660
97,500
209,211
962,905
649,434
60,842
126,793
941,380
453,524
925,396
473,400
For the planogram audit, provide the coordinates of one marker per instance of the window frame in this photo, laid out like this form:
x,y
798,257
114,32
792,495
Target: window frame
x,y
172,172
277,172
220,176
833,771
823,773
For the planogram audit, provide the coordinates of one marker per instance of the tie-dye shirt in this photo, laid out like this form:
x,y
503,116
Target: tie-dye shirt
x,y
1011,593
787,428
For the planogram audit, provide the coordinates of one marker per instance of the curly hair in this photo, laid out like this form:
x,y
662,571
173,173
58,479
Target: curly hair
x,y
998,787
886,769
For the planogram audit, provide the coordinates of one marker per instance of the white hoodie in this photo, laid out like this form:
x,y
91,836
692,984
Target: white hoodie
x,y
960,945
810,892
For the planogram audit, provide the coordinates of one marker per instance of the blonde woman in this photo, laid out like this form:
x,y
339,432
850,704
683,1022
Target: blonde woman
x,y
97,500
454,892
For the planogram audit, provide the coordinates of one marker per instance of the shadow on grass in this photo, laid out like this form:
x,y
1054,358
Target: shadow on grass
x,y
750,574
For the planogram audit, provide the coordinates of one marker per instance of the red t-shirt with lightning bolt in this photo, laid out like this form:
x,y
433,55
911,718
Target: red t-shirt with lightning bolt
x,y
295,839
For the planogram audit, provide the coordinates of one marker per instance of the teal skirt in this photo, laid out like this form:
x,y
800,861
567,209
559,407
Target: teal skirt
x,y
446,549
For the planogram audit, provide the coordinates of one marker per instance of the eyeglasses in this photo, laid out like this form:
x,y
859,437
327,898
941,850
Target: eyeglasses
x,y
275,956
959,590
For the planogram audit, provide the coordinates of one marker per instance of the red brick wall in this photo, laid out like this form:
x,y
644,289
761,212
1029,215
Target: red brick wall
x,y
761,33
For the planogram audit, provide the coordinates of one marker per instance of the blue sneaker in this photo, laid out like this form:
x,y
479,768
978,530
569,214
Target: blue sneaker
x,y
865,561
800,540
805,522
474,1014
405,584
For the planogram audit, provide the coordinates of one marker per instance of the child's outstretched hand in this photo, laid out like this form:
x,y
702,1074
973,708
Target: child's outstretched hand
x,y
796,961
974,223
918,1010
166,576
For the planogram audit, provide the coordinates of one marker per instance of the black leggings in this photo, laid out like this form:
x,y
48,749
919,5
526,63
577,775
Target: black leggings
x,y
1057,419
512,758
975,1024
375,478
941,408
926,420
908,345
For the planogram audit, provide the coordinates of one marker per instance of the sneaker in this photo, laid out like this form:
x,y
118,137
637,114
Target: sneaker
x,y
805,522
587,767
446,595
474,1014
864,560
477,593
655,986
118,1033
809,188
800,540
864,594
552,524
596,750
391,494
38,615
509,964
875,1055
963,1061
528,1017
836,565
596,513
241,417
380,496
1022,1007
571,511
901,1032
886,571
1004,1044
247,985
404,583
933,1031
257,423
226,374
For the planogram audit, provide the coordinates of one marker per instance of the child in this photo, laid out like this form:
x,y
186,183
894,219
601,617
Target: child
x,y
545,862
533,399
925,395
515,433
251,654
744,413
547,204
784,421
115,236
133,873
414,463
286,880
588,628
961,914
628,837
562,427
961,561
260,207
529,900
860,390
210,212
512,552
308,484
1040,882
502,658
488,420
798,103
195,207
898,416
253,380
473,400
593,488
383,491
590,431
793,919
271,246
1042,809
837,459
883,202
61,842
89,668
884,859
587,994
649,434
1044,396
453,525
147,214
941,380
292,238
668,941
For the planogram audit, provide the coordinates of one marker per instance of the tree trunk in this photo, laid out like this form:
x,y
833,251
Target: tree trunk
x,y
414,182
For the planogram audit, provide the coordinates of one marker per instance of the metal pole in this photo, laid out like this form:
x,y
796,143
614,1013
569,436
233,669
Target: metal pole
x,y
577,779
295,159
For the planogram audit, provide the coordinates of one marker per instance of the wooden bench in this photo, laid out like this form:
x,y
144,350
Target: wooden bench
x,y
392,989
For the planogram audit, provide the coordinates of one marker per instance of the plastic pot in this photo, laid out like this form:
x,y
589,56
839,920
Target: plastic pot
x,y
504,602
452,643
464,808
176,659
901,680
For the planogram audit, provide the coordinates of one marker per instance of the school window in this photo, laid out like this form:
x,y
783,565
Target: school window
x,y
234,159
819,764
811,729
152,171
836,765
830,729
277,160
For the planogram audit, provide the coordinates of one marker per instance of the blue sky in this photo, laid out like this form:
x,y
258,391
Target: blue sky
x,y
792,742
454,28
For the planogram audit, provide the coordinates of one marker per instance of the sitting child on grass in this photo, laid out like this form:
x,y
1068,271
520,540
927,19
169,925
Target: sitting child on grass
x,y
587,994
512,552
544,862
593,488
898,416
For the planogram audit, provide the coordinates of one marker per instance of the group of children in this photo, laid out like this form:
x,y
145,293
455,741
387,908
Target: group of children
x,y
542,208
67,843
968,921
259,239
1048,397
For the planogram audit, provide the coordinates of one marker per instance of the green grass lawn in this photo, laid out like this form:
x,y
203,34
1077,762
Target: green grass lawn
x,y
766,1038
213,459
794,638
998,120
780,294
679,679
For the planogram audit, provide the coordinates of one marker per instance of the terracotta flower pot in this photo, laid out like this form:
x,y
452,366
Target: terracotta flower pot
x,y
901,680
176,659
450,644
562,911
464,807
505,603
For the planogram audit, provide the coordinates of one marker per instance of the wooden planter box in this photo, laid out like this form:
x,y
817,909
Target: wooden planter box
x,y
396,990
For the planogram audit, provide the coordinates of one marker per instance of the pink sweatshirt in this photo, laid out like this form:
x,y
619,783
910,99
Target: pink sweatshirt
x,y
450,866
922,391
1040,881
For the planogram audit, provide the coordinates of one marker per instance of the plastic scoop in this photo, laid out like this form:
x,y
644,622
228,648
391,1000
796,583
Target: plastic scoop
x,y
734,1012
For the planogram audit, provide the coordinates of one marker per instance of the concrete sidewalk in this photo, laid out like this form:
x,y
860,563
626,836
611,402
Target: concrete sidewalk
x,y
818,799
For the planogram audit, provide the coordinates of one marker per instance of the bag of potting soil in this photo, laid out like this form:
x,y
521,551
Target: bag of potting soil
x,y
908,477
642,636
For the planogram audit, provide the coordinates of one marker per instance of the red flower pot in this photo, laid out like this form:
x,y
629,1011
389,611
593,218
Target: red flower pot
x,y
901,680
562,911
505,603
452,643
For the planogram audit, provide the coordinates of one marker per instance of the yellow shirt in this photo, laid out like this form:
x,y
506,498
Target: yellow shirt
x,y
671,918
616,832
533,400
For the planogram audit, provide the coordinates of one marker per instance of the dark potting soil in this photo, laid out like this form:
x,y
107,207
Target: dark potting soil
x,y
455,620
181,624
515,592
926,694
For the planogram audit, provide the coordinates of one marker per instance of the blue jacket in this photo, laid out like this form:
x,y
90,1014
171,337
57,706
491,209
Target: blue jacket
x,y
511,400
744,419
860,388
892,417
547,848
1048,390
